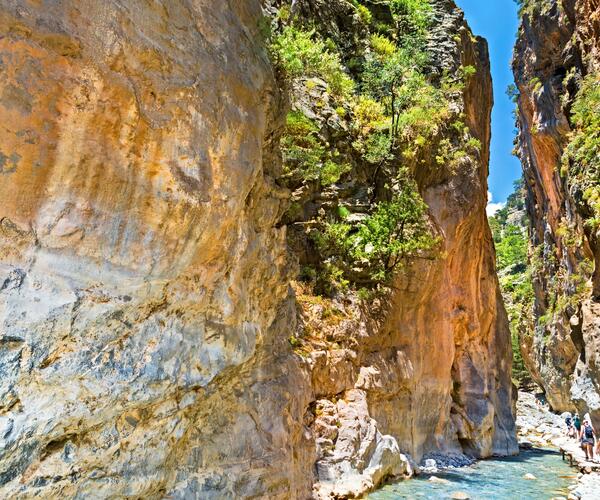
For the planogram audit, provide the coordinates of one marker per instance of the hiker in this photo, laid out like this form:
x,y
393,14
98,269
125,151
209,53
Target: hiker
x,y
587,437
577,423
570,428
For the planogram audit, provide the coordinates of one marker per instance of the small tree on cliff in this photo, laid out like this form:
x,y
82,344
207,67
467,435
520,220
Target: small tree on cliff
x,y
395,231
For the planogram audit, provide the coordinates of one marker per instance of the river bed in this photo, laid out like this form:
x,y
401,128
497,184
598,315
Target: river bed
x,y
496,479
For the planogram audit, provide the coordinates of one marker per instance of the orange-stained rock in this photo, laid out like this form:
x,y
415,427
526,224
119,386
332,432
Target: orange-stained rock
x,y
141,271
145,298
433,357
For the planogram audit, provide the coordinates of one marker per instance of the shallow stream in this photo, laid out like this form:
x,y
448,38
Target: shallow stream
x,y
497,479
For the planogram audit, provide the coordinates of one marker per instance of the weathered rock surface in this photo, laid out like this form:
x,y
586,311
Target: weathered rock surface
x,y
145,306
143,284
536,425
558,45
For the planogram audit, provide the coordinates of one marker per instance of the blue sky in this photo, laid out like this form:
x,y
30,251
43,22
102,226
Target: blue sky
x,y
496,20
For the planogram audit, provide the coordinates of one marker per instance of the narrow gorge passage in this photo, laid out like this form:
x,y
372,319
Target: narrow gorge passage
x,y
245,249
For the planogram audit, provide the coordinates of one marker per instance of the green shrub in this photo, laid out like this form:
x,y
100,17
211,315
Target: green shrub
x,y
301,147
536,84
331,172
414,19
331,280
343,212
383,46
378,148
512,248
533,7
416,108
396,230
305,156
365,14
468,72
426,110
369,115
301,53
568,233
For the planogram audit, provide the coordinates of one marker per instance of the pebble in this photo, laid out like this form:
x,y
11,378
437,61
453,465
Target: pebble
x,y
460,495
529,476
435,479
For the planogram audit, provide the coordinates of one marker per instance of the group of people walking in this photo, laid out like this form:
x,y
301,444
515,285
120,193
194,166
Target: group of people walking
x,y
586,435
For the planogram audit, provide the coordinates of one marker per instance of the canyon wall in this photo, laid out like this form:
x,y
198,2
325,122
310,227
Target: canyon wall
x,y
427,365
557,52
153,338
143,278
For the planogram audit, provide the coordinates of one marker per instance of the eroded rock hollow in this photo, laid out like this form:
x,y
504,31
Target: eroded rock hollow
x,y
155,338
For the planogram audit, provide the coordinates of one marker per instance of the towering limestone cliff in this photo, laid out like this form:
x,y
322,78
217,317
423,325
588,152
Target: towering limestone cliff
x,y
556,66
224,276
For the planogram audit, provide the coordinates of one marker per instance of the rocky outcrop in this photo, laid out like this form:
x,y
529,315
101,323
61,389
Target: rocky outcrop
x,y
457,297
427,366
145,302
556,50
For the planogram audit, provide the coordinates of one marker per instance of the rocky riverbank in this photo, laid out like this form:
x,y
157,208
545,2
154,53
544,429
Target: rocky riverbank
x,y
537,426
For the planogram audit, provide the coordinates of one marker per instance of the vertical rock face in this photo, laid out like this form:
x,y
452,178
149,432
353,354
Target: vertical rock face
x,y
447,322
557,48
145,299
141,269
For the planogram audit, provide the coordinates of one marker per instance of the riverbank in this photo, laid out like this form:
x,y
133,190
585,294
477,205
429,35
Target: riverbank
x,y
537,426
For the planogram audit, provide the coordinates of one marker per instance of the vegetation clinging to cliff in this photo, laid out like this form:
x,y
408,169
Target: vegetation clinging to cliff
x,y
372,115
301,54
396,229
581,157
532,7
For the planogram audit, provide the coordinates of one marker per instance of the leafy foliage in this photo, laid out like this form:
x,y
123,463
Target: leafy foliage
x,y
581,157
301,54
382,46
511,248
414,20
567,290
396,230
390,112
532,7
306,155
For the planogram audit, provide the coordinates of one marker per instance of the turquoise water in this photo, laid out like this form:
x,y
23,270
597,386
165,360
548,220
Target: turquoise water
x,y
497,479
